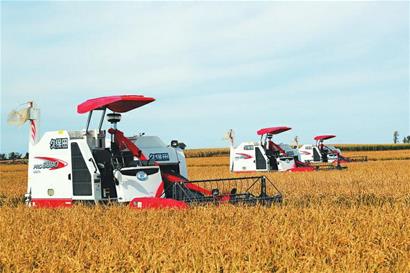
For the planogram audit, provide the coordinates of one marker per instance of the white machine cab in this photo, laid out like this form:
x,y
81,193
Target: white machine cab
x,y
265,155
319,153
67,166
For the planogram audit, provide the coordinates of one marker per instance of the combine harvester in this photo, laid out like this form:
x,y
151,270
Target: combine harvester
x,y
78,166
265,155
321,153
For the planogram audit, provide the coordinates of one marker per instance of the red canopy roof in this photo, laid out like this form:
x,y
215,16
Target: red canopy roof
x,y
324,137
273,130
119,104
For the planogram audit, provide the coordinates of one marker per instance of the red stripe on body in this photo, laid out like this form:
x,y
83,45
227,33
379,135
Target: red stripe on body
x,y
160,190
157,203
60,163
249,171
302,169
51,202
245,156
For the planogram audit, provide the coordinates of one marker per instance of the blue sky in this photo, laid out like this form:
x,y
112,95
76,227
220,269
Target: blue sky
x,y
318,67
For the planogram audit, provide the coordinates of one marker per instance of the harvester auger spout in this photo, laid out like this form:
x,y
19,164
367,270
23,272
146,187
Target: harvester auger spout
x,y
85,166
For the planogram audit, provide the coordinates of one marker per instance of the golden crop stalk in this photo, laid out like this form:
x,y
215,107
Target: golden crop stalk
x,y
355,220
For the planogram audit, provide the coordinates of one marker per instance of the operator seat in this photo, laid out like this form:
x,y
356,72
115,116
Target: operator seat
x,y
323,152
272,153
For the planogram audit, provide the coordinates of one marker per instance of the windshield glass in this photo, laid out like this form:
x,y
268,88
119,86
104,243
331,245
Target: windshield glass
x,y
149,142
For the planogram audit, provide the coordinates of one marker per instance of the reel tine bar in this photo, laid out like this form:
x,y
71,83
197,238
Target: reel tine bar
x,y
244,190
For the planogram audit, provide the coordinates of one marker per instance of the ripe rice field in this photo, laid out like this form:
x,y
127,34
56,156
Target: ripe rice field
x,y
355,220
346,148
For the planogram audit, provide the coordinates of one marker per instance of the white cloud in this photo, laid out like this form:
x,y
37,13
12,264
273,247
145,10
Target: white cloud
x,y
63,53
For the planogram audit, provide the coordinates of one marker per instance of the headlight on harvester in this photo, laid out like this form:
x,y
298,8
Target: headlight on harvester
x,y
142,176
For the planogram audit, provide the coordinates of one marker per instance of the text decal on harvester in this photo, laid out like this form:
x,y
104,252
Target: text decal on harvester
x,y
59,143
159,157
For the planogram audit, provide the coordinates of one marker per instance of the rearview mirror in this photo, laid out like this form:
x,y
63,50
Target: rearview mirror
x,y
182,146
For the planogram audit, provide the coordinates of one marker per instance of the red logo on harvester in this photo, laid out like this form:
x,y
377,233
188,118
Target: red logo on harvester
x,y
50,163
243,156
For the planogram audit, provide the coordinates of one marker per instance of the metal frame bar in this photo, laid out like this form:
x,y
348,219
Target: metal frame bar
x,y
224,179
102,119
357,158
181,192
90,114
88,121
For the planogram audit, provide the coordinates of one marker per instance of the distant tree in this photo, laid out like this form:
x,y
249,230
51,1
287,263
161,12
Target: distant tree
x,y
3,156
406,139
14,156
395,137
26,156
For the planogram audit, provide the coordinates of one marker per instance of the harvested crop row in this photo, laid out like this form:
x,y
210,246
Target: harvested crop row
x,y
332,221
